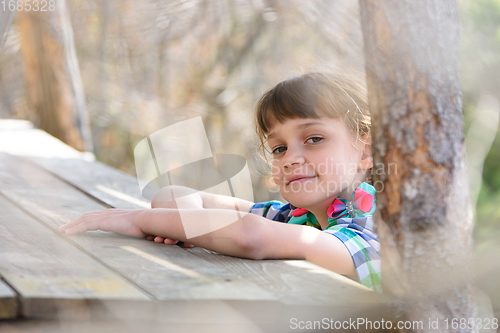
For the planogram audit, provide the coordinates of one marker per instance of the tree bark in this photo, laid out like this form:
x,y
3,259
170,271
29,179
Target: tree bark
x,y
424,214
53,82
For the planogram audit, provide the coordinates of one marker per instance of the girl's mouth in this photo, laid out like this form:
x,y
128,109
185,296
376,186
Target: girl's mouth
x,y
298,179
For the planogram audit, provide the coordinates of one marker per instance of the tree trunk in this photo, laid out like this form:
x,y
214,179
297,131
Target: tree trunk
x,y
424,213
54,87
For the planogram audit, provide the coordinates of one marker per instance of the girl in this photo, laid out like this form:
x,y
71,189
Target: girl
x,y
317,128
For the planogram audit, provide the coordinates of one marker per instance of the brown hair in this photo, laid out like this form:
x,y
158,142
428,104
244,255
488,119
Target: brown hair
x,y
312,95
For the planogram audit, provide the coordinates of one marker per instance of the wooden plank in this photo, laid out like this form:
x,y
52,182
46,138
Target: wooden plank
x,y
112,187
290,275
19,138
108,185
168,272
17,173
40,265
110,325
306,290
8,302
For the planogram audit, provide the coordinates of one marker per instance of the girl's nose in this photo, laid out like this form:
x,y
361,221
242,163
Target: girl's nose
x,y
293,156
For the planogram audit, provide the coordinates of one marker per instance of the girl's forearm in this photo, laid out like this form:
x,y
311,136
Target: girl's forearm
x,y
185,197
245,235
250,236
238,238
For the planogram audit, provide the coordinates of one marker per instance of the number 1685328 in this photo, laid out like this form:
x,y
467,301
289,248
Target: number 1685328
x,y
28,5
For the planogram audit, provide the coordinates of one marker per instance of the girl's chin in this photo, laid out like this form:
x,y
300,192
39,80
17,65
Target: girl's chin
x,y
300,202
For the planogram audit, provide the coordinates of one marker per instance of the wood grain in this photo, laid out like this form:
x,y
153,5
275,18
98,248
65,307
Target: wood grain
x,y
304,288
8,302
38,264
110,186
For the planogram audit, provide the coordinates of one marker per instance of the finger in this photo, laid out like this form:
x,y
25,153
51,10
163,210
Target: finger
x,y
91,222
188,245
170,241
65,228
159,239
81,219
150,237
88,225
71,224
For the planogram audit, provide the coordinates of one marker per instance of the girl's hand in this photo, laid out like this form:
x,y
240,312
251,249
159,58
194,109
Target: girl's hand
x,y
168,241
122,221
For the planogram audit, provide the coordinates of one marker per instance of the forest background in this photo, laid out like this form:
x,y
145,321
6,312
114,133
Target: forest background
x,y
147,64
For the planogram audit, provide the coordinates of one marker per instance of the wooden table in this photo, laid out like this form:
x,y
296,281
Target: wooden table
x,y
104,281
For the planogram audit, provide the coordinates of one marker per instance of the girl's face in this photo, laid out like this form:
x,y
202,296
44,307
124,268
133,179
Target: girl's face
x,y
315,161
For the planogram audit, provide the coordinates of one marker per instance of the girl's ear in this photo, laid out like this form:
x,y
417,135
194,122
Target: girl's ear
x,y
366,160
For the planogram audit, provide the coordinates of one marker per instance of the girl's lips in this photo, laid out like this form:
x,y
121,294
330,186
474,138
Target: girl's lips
x,y
300,179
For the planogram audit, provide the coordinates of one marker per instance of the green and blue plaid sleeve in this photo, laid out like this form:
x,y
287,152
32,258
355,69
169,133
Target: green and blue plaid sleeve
x,y
272,210
364,247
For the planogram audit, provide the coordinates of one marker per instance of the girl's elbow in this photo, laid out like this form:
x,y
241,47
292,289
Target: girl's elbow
x,y
160,198
251,241
165,198
252,251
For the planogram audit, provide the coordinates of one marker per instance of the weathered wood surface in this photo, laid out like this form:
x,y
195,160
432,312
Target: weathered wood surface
x,y
39,265
174,285
8,301
287,279
110,186
18,137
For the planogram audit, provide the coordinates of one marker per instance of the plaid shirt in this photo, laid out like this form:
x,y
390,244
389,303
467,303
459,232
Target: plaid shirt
x,y
355,233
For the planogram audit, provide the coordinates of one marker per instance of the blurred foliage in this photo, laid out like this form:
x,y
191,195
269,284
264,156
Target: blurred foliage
x,y
480,58
480,62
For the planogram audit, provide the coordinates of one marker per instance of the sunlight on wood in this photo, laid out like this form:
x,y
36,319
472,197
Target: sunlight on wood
x,y
17,137
312,268
165,263
123,196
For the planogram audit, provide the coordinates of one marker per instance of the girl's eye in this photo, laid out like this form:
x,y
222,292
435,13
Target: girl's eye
x,y
279,150
314,139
